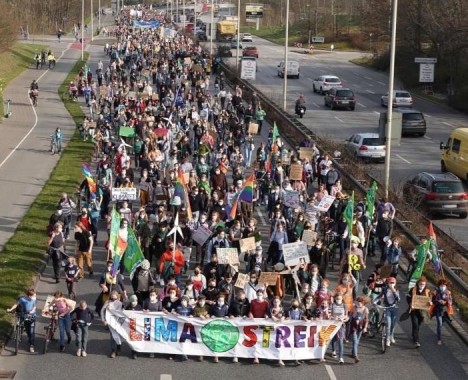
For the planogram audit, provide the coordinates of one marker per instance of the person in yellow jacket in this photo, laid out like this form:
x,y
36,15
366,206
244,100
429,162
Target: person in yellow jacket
x,y
51,59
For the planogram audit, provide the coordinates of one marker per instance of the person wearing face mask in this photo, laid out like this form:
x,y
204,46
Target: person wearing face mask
x,y
345,289
319,256
240,306
359,323
152,303
218,180
308,306
133,303
108,283
390,298
323,293
226,286
143,281
442,306
354,250
259,308
339,312
190,292
251,287
211,292
383,228
172,261
56,217
198,280
184,309
219,310
171,283
202,311
113,304
25,307
171,301
417,315
393,255
311,277
213,269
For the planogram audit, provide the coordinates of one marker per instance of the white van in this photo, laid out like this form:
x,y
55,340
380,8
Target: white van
x,y
454,157
293,69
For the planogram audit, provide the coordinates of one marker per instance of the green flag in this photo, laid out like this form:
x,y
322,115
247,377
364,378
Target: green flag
x,y
419,266
370,201
133,255
86,69
275,133
114,230
349,214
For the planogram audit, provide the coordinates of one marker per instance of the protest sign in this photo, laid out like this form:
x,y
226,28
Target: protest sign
x,y
124,194
420,302
242,279
295,253
306,153
325,203
291,198
247,244
309,237
253,128
268,278
295,172
227,256
201,235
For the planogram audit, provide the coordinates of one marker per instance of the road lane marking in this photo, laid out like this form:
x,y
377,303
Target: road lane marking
x,y
377,112
367,78
370,92
315,104
427,115
448,124
165,377
403,159
362,105
427,137
382,83
330,372
35,116
337,118
264,223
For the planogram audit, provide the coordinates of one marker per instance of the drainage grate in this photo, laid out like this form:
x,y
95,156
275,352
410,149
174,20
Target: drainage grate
x,y
7,374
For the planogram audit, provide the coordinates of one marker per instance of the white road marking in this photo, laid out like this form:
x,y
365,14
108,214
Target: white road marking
x,y
362,105
367,78
330,372
378,113
165,377
370,92
310,79
315,104
427,115
403,159
337,118
427,137
382,83
262,218
448,124
35,116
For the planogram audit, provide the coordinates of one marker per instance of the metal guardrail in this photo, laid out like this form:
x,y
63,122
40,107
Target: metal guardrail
x,y
294,131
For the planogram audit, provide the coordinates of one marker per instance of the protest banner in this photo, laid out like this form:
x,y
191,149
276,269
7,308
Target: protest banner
x,y
247,244
253,128
309,237
295,253
228,256
295,172
242,279
201,235
236,337
268,278
124,194
325,203
291,198
420,302
306,153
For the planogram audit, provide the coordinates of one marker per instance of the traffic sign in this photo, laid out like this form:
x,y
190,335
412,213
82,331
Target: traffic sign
x,y
425,60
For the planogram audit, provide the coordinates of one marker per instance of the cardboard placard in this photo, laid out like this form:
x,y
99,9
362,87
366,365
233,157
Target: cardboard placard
x,y
197,68
306,153
253,128
242,279
295,253
291,198
325,203
268,278
48,303
228,256
309,237
295,172
247,244
386,271
102,91
124,194
420,302
201,235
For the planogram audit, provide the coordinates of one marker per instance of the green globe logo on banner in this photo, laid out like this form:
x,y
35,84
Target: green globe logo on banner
x,y
219,335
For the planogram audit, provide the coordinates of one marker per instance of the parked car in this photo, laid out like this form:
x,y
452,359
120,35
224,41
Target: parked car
x,y
247,37
234,44
437,193
401,98
324,83
250,51
294,69
340,98
367,146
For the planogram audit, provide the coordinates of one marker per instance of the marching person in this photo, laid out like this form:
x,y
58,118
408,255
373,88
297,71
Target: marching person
x,y
64,307
113,304
56,248
390,298
442,306
25,307
84,317
417,315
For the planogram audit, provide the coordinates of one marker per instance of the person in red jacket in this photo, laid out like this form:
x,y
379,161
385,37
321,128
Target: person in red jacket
x,y
171,263
259,308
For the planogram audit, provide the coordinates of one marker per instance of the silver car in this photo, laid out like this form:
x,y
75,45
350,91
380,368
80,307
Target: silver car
x,y
367,146
401,98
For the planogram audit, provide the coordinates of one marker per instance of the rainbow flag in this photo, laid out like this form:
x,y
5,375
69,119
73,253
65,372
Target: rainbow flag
x,y
180,190
89,177
86,170
245,194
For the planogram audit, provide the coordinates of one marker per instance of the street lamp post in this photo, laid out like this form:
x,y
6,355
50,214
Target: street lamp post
x,y
238,35
92,20
285,78
99,15
388,142
211,27
308,24
82,30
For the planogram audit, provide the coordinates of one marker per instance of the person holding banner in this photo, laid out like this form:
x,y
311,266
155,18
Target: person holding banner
x,y
113,304
339,312
417,315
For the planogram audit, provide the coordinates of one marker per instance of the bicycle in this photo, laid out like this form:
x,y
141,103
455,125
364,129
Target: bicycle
x,y
34,95
19,328
50,328
53,144
378,324
333,245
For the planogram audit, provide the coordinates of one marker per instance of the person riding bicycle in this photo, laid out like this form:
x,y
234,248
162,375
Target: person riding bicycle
x,y
25,307
375,283
34,89
390,298
300,103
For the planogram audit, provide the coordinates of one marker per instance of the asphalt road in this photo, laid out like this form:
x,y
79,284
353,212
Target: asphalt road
x,y
401,360
415,154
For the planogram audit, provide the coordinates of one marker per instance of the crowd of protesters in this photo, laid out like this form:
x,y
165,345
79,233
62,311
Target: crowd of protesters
x,y
184,120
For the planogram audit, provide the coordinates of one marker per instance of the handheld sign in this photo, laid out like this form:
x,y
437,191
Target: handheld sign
x,y
295,172
242,279
295,253
124,194
420,302
268,278
247,244
227,256
201,235
309,237
325,203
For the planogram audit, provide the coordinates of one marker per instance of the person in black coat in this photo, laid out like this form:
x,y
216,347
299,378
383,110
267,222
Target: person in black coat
x,y
240,305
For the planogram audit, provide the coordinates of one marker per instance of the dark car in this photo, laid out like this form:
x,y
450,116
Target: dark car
x,y
340,98
438,193
250,51
412,121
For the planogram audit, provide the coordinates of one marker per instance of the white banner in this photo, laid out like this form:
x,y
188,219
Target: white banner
x,y
237,337
295,253
124,194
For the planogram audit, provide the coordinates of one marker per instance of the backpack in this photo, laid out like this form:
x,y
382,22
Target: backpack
x,y
168,269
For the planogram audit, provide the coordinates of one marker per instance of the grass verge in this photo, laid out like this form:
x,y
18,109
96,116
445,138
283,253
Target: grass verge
x,y
13,62
23,254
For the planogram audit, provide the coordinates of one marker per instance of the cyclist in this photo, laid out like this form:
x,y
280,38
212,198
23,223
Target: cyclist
x,y
34,85
34,91
390,298
375,283
25,307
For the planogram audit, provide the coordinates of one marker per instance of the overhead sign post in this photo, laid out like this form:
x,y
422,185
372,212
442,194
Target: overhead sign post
x,y
253,11
426,71
248,69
